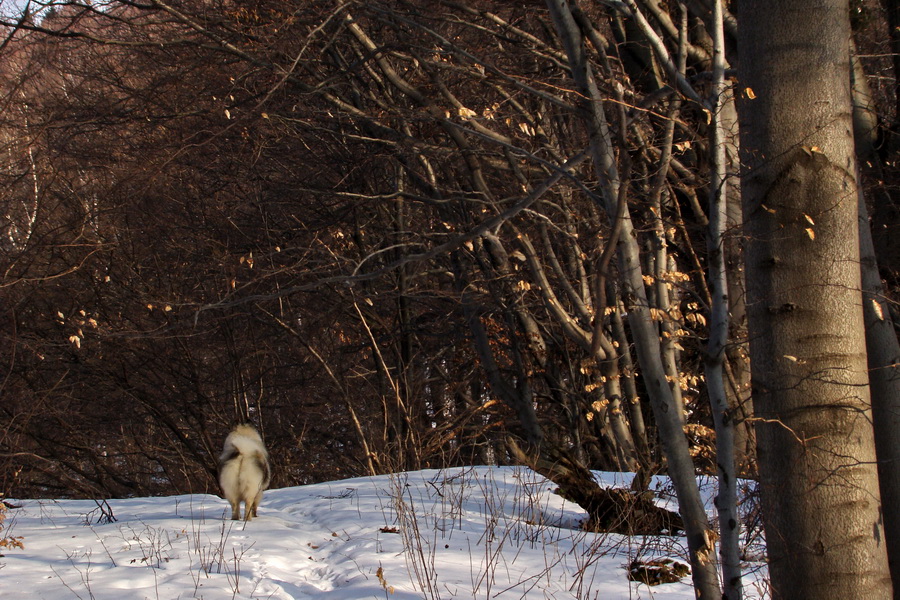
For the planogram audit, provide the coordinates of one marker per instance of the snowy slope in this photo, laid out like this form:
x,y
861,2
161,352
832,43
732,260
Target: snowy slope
x,y
462,533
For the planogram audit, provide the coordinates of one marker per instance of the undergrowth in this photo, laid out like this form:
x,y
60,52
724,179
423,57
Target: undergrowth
x,y
7,541
510,522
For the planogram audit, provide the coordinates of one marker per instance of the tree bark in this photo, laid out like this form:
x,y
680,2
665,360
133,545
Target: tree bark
x,y
737,366
883,353
644,330
723,418
882,347
816,449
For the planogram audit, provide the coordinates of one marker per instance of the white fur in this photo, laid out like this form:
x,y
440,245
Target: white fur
x,y
244,471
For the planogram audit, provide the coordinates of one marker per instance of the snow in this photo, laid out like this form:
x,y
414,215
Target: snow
x,y
477,532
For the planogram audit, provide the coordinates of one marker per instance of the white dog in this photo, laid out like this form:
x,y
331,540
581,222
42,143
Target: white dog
x,y
244,471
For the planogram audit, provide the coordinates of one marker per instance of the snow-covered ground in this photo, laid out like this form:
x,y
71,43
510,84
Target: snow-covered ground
x,y
476,532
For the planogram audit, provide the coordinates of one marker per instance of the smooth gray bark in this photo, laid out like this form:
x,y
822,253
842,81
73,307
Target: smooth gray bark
x,y
816,449
643,328
883,353
737,366
723,419
882,347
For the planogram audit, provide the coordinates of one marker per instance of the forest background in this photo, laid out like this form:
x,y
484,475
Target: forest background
x,y
402,235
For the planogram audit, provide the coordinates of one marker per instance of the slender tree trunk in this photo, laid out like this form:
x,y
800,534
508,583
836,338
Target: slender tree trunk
x,y
882,347
816,449
883,353
737,367
659,242
723,419
629,389
643,328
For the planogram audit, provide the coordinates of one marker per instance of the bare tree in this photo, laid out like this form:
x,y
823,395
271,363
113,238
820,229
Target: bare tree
x,y
723,415
646,338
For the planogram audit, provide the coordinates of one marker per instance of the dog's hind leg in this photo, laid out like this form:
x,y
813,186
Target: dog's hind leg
x,y
254,504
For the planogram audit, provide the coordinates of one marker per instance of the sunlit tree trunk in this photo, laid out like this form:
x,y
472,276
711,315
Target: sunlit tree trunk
x,y
816,449
644,330
723,417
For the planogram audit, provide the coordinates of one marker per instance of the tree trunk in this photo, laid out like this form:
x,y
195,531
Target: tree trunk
x,y
816,449
882,347
723,418
737,366
629,388
883,353
643,328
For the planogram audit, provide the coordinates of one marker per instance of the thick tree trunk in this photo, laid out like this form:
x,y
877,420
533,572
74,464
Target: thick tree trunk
x,y
818,477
